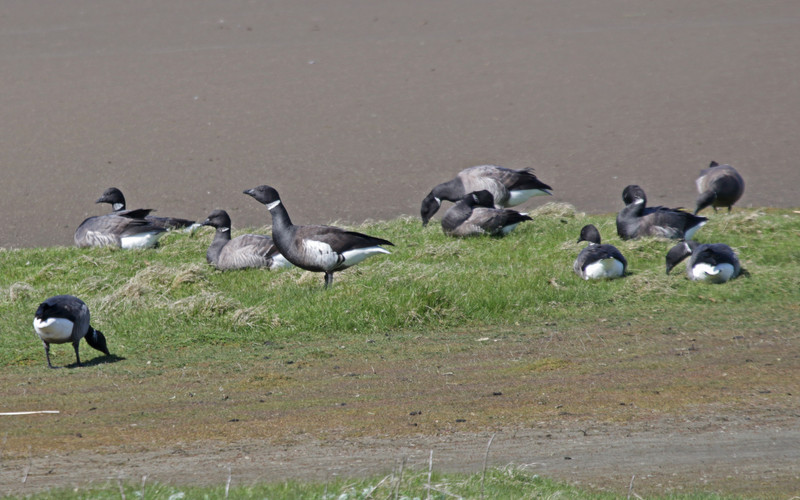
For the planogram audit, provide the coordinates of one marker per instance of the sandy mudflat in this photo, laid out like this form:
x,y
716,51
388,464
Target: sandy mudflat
x,y
355,109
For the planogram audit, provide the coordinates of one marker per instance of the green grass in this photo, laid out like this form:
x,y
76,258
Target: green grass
x,y
169,298
187,339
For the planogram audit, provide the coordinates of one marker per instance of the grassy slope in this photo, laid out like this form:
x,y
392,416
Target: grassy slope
x,y
208,347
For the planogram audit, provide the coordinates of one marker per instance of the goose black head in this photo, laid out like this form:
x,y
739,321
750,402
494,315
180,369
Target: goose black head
x,y
481,198
97,340
218,219
114,197
679,252
589,233
430,205
264,194
633,193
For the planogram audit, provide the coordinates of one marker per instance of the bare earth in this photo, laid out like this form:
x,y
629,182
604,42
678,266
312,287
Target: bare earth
x,y
353,111
739,457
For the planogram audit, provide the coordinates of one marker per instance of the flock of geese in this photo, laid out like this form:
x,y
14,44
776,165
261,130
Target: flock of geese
x,y
481,199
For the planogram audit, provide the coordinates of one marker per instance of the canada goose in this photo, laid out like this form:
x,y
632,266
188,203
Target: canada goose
x,y
719,186
65,318
126,229
509,188
246,250
115,198
475,214
709,262
637,220
597,260
324,249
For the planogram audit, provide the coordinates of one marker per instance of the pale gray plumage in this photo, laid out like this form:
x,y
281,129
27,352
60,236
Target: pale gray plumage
x,y
244,251
508,187
125,229
325,249
116,199
719,186
475,215
65,319
637,219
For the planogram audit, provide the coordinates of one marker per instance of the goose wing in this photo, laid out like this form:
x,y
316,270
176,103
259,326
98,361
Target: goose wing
x,y
247,250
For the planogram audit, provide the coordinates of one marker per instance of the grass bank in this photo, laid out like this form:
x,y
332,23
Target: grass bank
x,y
480,333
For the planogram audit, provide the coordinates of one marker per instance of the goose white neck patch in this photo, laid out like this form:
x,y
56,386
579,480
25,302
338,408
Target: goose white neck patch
x,y
273,204
118,206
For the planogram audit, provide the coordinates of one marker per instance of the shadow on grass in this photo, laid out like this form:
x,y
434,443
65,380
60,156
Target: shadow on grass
x,y
100,360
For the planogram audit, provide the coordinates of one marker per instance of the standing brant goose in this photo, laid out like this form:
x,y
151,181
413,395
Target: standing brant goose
x,y
637,220
115,198
509,188
475,214
246,250
719,186
596,260
324,249
709,262
126,229
65,318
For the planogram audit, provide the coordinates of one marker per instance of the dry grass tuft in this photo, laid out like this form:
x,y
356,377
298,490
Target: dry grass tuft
x,y
18,291
205,304
556,209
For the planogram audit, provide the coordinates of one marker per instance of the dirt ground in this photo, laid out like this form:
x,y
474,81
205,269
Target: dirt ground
x,y
353,111
755,457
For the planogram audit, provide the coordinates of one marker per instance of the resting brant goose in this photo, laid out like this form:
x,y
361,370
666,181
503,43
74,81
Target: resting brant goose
x,y
709,262
126,229
475,214
324,249
65,318
115,198
597,260
246,250
509,188
637,220
719,186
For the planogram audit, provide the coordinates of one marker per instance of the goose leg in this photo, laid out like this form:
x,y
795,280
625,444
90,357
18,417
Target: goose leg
x,y
77,356
328,279
47,354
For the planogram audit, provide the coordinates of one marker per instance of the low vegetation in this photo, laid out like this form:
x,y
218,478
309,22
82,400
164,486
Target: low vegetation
x,y
479,316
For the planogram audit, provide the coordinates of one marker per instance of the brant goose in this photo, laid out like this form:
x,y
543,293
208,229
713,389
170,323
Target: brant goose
x,y
509,188
475,214
65,318
637,220
709,262
114,197
719,186
597,260
126,229
247,250
324,249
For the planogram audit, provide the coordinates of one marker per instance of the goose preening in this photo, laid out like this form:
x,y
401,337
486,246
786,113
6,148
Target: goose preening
x,y
324,249
475,214
115,198
709,262
126,229
637,219
508,187
597,260
246,250
65,318
719,186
